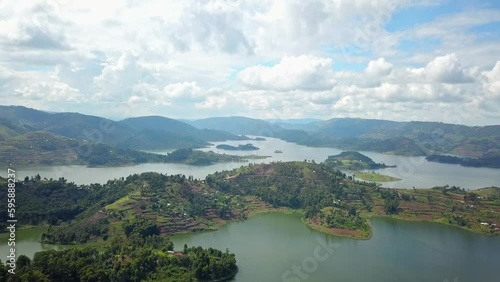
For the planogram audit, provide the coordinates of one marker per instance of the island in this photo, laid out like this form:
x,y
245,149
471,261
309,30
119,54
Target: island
x,y
356,162
246,147
201,158
491,160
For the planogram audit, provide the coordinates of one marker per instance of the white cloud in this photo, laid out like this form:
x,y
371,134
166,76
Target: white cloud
x,y
447,69
52,92
291,73
120,78
492,81
379,67
185,92
198,58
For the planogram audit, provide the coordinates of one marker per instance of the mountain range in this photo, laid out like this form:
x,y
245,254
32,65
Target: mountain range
x,y
22,131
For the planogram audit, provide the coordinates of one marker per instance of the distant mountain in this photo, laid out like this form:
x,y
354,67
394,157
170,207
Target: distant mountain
x,y
238,125
156,132
45,148
306,124
73,125
411,138
403,138
144,132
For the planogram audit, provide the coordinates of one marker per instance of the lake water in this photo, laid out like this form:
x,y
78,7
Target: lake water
x,y
414,171
27,242
270,247
267,246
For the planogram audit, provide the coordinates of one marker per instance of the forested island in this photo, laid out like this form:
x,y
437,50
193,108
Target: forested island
x,y
488,160
246,147
352,160
356,162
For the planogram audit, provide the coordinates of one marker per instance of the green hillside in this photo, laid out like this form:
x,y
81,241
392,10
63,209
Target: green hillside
x,y
135,133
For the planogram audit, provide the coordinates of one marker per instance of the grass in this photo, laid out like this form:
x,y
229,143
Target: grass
x,y
375,177
118,204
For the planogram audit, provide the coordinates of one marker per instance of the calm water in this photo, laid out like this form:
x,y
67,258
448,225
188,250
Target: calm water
x,y
267,247
27,242
414,171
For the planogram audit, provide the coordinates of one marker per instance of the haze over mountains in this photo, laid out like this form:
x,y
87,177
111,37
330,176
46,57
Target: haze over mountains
x,y
21,129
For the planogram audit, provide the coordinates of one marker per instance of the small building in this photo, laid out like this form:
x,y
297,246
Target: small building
x,y
485,223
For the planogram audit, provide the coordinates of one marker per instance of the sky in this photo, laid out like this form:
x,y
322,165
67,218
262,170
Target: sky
x,y
427,60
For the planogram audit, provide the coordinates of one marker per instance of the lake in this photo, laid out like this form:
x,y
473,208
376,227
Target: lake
x,y
268,246
414,171
27,242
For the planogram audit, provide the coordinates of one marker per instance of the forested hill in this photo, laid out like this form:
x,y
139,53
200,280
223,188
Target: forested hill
x,y
338,204
43,148
141,133
125,218
32,137
405,138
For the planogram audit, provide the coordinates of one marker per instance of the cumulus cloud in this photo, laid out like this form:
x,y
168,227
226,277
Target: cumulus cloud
x,y
448,69
54,92
185,92
209,25
120,78
492,81
291,73
379,67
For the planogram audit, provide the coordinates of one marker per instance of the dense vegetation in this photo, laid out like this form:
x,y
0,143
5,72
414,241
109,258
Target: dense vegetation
x,y
197,157
307,186
151,259
57,201
352,160
91,213
489,160
124,216
246,147
338,204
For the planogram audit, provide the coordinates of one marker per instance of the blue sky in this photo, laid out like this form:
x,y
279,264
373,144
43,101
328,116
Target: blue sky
x,y
393,59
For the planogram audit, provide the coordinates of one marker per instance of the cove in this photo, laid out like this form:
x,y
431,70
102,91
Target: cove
x,y
269,247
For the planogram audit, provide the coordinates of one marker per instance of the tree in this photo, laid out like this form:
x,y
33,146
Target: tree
x,y
391,206
23,261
